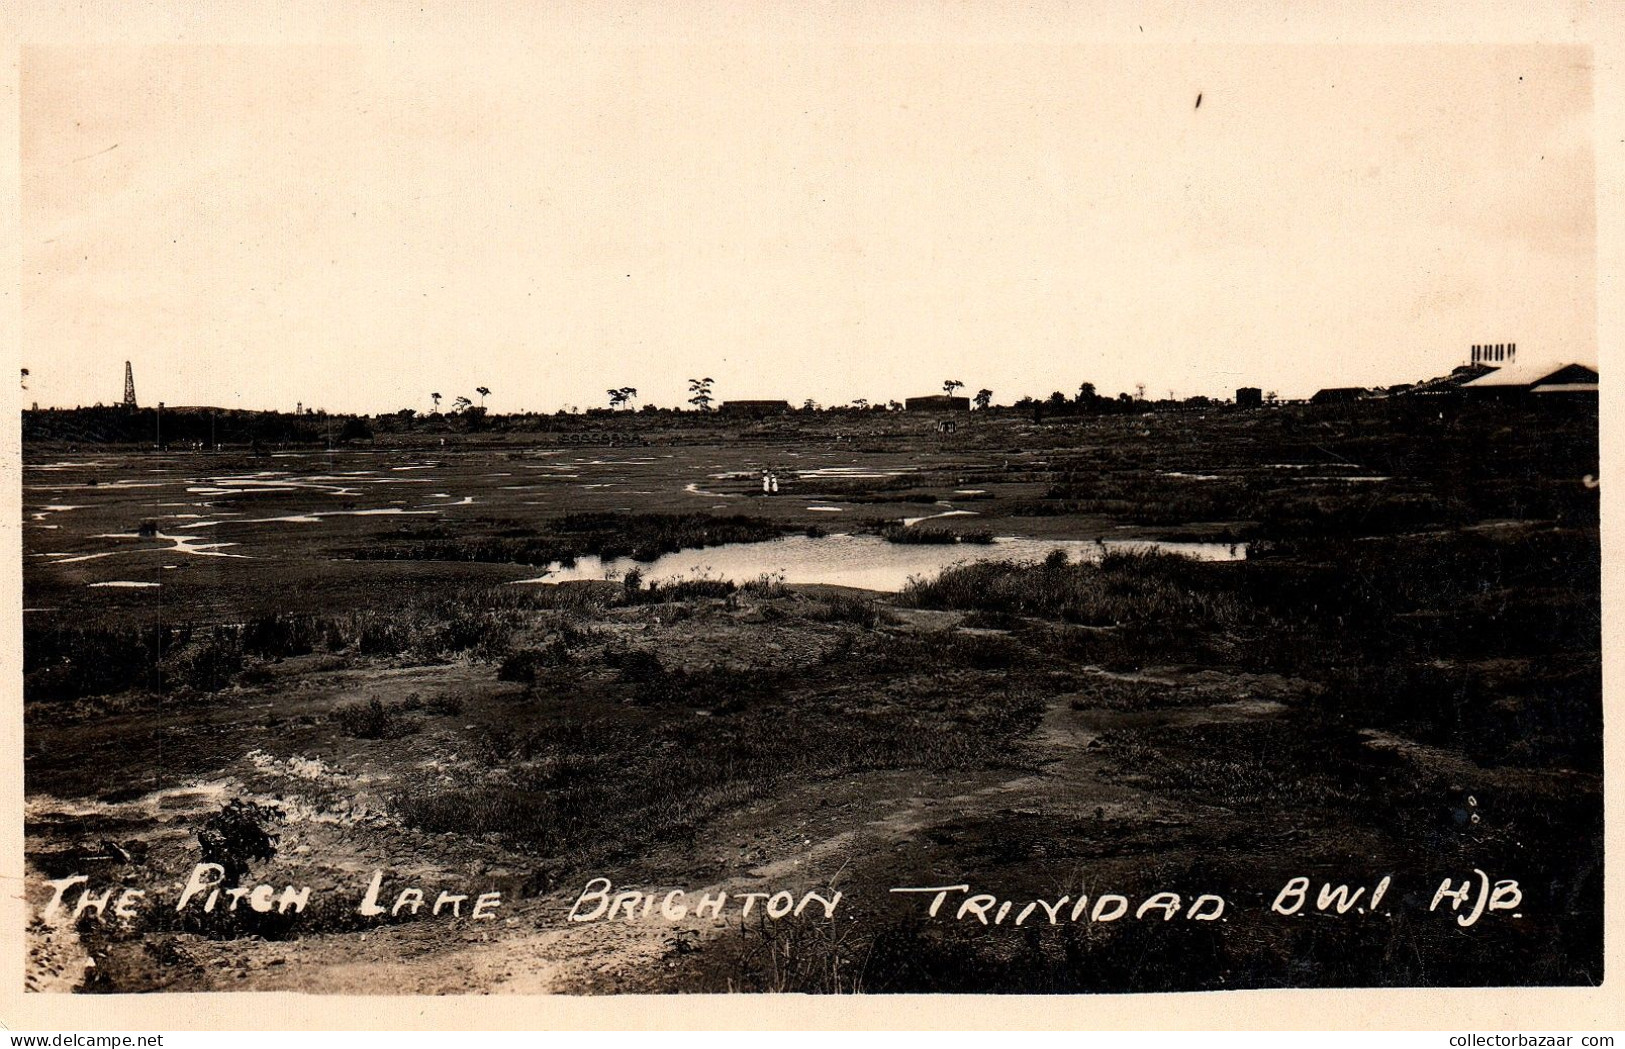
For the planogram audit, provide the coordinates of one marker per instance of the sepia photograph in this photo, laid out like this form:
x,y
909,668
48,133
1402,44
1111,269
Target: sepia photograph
x,y
568,505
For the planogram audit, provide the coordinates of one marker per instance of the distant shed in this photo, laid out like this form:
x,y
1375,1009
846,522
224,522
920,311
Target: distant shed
x,y
1340,395
1249,397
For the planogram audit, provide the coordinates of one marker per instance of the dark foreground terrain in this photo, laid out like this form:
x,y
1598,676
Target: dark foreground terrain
x,y
310,667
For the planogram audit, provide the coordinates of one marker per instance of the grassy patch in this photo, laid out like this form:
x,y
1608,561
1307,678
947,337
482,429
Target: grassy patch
x,y
640,536
578,784
1165,606
844,608
1240,765
65,665
931,535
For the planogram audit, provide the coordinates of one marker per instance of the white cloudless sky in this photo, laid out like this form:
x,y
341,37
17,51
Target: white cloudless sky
x,y
826,216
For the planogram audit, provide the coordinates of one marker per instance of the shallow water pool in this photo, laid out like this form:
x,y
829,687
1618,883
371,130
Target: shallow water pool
x,y
864,561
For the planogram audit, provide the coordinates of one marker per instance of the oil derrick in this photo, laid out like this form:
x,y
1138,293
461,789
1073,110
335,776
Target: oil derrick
x,y
129,387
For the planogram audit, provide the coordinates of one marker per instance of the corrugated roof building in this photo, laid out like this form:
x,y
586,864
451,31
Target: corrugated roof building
x,y
1530,378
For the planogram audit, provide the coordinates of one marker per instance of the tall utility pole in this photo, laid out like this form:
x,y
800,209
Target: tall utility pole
x,y
129,387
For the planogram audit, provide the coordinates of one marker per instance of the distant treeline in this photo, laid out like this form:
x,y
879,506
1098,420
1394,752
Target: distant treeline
x,y
1087,402
180,428
203,427
188,427
185,427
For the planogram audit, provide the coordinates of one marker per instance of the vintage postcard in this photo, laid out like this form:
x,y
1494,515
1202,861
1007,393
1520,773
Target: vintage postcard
x,y
588,506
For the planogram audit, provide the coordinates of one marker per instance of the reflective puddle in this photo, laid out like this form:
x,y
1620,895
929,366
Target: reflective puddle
x,y
868,562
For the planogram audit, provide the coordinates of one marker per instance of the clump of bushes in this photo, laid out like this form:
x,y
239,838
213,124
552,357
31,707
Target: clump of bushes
x,y
1157,605
447,705
209,662
679,589
61,663
846,608
932,535
637,666
376,719
279,635
525,665
239,833
1123,587
644,537
767,585
490,549
65,663
985,619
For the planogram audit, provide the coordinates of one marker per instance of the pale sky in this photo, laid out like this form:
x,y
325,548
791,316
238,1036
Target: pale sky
x,y
355,227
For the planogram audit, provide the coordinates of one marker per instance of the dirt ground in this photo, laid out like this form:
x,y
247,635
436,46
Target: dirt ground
x,y
784,739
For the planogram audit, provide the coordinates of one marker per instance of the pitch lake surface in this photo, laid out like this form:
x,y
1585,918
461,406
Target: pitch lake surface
x,y
108,522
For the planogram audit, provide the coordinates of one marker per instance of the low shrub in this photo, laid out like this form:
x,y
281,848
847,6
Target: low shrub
x,y
846,608
238,834
932,535
447,705
375,719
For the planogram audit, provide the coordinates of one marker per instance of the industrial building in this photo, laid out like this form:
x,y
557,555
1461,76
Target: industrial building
x,y
1559,379
1497,354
